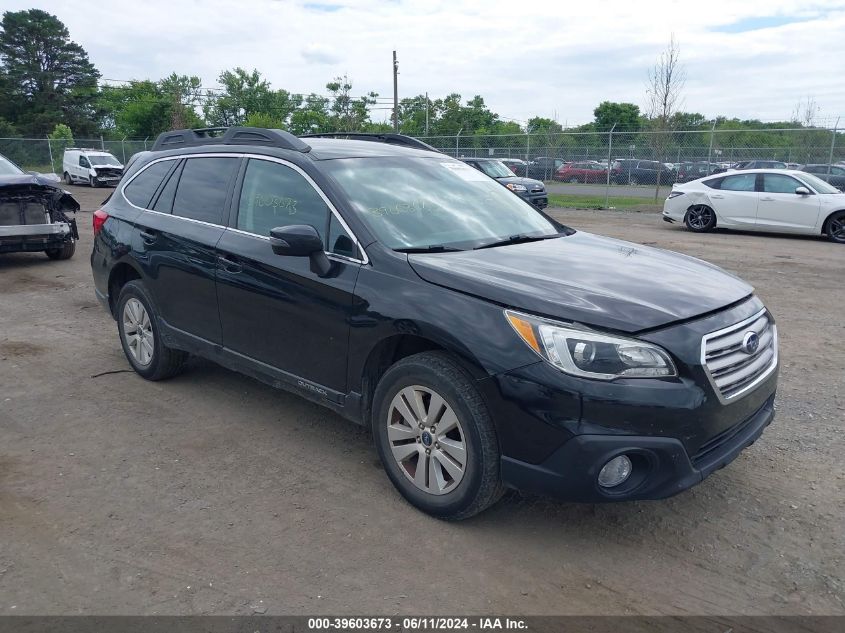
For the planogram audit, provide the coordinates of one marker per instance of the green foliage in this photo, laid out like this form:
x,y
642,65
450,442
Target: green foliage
x,y
46,77
265,120
626,116
60,139
61,133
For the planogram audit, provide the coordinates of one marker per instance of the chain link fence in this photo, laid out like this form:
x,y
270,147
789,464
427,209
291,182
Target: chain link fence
x,y
680,153
45,155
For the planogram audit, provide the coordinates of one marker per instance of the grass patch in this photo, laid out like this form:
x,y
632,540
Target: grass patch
x,y
598,202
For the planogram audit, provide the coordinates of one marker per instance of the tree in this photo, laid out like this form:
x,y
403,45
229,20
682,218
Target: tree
x,y
666,82
60,139
348,114
626,116
245,94
48,78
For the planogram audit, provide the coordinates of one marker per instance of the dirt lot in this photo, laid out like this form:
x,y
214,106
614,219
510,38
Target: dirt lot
x,y
212,493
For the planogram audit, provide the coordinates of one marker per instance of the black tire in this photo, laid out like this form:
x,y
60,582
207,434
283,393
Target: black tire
x,y
700,218
481,484
68,180
165,362
93,182
574,179
66,251
835,227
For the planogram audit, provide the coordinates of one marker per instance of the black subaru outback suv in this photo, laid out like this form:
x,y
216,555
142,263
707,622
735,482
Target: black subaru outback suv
x,y
487,345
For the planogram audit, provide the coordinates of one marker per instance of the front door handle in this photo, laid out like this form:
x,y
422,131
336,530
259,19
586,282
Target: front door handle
x,y
229,265
148,238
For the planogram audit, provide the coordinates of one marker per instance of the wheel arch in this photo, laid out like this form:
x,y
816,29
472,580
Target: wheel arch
x,y
823,229
120,274
391,349
703,202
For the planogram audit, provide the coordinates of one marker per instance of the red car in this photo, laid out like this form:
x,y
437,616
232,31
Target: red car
x,y
588,171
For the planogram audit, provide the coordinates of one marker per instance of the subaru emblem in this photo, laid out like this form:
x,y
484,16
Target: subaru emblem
x,y
750,342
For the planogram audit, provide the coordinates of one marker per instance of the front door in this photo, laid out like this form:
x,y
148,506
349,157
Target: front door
x,y
273,308
781,209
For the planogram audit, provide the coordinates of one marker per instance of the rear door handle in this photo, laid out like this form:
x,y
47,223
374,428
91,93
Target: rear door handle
x,y
230,266
767,199
718,196
148,238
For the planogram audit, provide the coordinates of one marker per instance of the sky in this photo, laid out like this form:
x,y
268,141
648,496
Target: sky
x,y
554,58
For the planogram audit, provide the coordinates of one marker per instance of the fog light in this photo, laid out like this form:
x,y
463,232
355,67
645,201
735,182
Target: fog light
x,y
614,472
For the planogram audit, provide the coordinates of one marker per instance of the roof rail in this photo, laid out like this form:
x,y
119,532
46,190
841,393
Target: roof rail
x,y
390,138
176,139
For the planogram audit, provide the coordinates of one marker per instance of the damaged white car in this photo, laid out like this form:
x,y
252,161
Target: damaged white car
x,y
35,214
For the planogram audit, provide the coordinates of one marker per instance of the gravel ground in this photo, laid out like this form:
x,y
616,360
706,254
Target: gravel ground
x,y
214,494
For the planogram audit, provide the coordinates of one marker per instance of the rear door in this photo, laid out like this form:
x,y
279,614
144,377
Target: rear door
x,y
735,202
177,237
273,308
781,209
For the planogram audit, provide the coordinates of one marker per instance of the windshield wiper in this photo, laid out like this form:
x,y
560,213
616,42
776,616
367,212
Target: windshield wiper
x,y
431,248
519,238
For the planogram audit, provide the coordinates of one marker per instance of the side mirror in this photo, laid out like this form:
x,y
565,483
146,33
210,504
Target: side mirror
x,y
301,240
802,191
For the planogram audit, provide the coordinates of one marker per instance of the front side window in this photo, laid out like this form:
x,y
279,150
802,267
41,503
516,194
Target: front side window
x,y
8,168
142,187
275,195
83,162
739,182
778,183
414,202
201,194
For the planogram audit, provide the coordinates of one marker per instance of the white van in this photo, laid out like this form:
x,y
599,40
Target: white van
x,y
92,166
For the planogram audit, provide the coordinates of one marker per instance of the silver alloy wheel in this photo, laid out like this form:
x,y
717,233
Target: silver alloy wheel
x,y
427,440
700,217
138,331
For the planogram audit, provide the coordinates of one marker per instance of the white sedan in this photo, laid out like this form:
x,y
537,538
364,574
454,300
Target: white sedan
x,y
775,200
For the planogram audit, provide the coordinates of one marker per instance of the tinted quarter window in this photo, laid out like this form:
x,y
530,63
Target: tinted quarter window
x,y
777,183
140,191
201,193
739,182
164,204
275,195
340,242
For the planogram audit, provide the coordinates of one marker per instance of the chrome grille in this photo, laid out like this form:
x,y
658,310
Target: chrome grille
x,y
733,369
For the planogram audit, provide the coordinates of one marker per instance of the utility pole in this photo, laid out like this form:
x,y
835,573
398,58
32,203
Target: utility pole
x,y
395,93
426,114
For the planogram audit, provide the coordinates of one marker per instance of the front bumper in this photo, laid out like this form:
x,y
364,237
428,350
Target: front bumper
x,y
661,465
539,200
23,238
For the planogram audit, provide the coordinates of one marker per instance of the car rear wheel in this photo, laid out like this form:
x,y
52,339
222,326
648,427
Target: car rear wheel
x,y
435,437
68,180
835,227
700,218
65,251
574,179
140,336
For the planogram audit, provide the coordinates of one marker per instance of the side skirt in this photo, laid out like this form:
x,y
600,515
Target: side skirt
x,y
347,405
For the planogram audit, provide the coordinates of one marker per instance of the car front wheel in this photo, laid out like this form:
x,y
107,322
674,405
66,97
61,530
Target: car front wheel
x,y
435,437
140,336
700,218
835,227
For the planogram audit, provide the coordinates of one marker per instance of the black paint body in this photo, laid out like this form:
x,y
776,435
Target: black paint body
x,y
226,295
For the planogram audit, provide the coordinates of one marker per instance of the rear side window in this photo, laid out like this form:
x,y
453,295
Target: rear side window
x,y
275,195
140,191
739,182
164,204
201,193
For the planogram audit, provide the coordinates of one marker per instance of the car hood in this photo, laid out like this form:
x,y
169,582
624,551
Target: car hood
x,y
588,279
516,180
30,183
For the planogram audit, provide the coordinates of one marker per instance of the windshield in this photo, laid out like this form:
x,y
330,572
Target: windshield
x,y
818,184
495,169
411,202
8,168
103,159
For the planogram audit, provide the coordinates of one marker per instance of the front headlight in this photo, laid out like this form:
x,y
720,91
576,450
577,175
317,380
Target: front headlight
x,y
515,187
591,354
